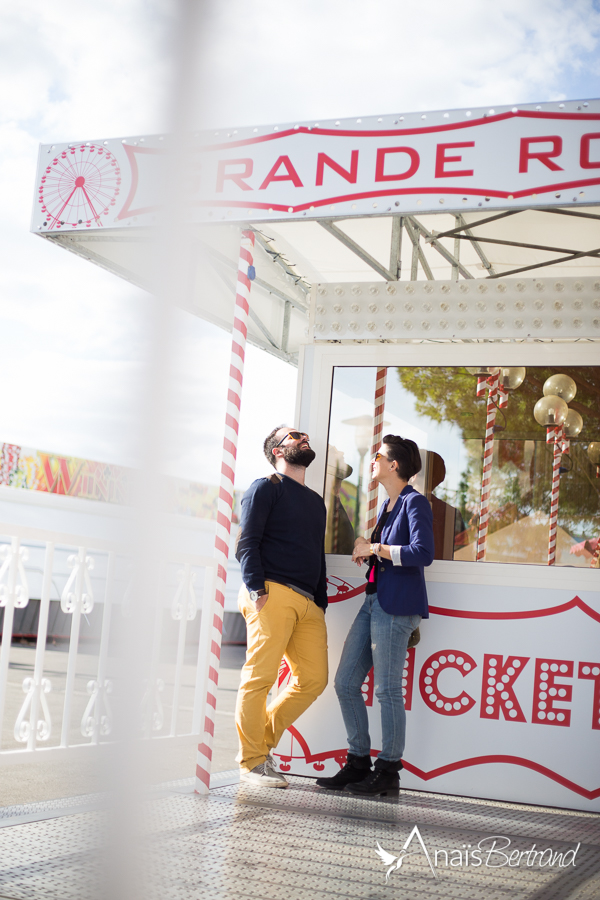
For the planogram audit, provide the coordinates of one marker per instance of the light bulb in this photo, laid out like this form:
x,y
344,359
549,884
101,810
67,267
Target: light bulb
x,y
550,411
512,377
593,451
573,424
560,386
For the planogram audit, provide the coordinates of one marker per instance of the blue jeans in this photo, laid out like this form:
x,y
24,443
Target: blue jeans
x,y
380,640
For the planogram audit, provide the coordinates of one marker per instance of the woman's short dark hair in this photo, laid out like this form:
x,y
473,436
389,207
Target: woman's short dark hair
x,y
405,452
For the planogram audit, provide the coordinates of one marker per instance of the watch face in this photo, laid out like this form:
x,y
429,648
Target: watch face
x,y
254,596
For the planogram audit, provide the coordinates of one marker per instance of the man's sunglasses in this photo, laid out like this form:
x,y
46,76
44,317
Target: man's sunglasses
x,y
295,435
379,456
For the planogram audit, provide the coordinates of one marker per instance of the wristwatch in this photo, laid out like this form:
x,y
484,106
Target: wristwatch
x,y
254,595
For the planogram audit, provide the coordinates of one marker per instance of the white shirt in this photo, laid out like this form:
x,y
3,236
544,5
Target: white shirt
x,y
395,554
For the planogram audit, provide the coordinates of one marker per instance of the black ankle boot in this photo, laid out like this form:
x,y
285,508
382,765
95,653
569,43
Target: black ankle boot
x,y
384,779
356,768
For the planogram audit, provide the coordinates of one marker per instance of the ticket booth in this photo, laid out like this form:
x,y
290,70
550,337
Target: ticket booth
x,y
435,276
501,692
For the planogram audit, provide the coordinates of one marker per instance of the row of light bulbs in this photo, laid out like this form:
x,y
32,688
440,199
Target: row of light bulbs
x,y
428,287
458,309
461,324
445,307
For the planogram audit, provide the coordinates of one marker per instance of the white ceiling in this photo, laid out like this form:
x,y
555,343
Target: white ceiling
x,y
292,256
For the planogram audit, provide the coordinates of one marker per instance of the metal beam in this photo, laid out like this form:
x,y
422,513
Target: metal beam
x,y
396,247
418,254
456,252
291,358
283,354
285,331
414,262
259,281
281,261
262,327
549,262
251,313
568,212
527,246
109,237
503,215
449,257
277,293
341,236
478,250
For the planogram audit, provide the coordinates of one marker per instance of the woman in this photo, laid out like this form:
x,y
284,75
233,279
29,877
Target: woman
x,y
400,546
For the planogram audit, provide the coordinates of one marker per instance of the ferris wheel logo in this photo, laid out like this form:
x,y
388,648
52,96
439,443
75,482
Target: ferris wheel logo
x,y
79,186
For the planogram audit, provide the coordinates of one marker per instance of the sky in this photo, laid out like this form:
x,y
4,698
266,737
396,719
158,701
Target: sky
x,y
72,336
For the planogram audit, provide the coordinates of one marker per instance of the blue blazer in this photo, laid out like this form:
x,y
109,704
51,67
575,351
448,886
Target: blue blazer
x,y
401,589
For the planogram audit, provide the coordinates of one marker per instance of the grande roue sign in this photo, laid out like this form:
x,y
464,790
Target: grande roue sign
x,y
547,154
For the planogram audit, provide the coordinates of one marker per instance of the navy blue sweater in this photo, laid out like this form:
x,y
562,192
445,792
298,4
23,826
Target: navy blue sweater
x,y
282,536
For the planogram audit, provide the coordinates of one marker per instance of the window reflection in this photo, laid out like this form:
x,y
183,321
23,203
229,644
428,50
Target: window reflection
x,y
439,408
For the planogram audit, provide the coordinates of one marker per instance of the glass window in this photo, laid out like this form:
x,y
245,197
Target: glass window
x,y
447,414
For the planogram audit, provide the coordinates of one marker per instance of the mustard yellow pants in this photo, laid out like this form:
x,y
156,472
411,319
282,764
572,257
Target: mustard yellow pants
x,y
289,625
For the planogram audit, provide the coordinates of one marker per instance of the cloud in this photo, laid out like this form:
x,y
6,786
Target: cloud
x,y
312,59
71,70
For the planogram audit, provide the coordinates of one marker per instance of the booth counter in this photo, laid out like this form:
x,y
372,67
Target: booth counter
x,y
502,692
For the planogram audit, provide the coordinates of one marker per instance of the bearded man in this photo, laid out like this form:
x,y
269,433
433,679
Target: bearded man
x,y
283,599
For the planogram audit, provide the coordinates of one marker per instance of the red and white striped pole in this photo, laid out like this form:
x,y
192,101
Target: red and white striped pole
x,y
557,434
380,385
225,503
486,475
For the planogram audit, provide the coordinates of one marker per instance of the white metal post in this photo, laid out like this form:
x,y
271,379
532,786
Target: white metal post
x,y
40,730
13,596
74,602
94,721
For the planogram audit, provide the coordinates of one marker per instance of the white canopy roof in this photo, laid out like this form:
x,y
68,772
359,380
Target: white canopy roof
x,y
549,225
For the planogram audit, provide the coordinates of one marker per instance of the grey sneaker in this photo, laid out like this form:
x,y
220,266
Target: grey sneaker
x,y
271,768
265,775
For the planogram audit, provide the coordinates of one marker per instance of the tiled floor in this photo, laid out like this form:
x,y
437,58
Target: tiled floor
x,y
299,844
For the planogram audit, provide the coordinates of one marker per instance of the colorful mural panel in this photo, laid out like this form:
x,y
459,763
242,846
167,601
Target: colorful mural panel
x,y
35,470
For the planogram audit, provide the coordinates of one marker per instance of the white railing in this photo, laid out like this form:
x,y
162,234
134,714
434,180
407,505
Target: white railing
x,y
68,690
